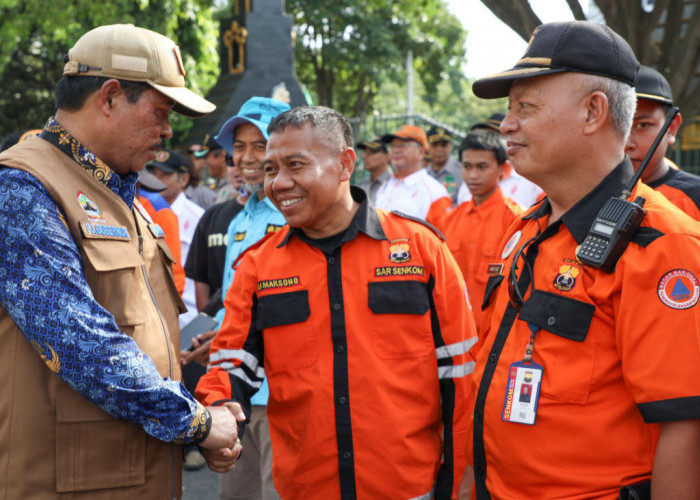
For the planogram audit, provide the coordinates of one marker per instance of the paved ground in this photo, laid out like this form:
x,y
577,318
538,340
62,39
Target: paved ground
x,y
202,484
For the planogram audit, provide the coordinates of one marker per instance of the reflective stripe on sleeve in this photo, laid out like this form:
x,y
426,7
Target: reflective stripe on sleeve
x,y
246,358
450,350
458,371
239,372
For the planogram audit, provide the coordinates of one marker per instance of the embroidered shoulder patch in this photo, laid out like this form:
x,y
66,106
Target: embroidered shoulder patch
x,y
679,289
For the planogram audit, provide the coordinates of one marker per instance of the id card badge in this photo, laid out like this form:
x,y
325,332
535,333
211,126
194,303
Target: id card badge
x,y
522,393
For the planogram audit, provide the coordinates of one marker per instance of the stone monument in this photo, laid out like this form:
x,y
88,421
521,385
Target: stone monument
x,y
257,59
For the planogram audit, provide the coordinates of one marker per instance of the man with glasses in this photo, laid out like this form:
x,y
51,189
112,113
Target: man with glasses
x,y
586,382
411,190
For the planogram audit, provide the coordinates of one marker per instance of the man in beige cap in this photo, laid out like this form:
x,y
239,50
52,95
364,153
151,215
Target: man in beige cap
x,y
92,406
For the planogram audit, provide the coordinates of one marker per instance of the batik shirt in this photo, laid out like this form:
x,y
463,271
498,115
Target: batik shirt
x,y
44,290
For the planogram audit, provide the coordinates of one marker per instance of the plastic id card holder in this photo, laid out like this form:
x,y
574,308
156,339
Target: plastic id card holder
x,y
522,393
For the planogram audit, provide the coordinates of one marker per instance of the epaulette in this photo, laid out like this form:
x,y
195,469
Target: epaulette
x,y
254,246
422,221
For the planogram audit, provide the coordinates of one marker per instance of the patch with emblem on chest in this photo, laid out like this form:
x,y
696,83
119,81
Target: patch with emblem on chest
x,y
566,279
399,251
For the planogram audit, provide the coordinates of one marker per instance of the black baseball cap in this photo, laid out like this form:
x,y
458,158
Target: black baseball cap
x,y
170,161
437,134
373,145
208,146
652,86
574,46
493,122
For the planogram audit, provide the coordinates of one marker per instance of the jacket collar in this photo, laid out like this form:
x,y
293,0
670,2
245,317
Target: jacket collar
x,y
365,221
123,186
579,218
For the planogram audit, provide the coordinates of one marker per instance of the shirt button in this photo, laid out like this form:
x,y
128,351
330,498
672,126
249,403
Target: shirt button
x,y
492,358
336,307
331,260
551,320
477,416
479,471
340,348
347,455
342,400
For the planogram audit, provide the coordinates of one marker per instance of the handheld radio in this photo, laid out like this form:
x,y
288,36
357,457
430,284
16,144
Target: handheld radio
x,y
618,220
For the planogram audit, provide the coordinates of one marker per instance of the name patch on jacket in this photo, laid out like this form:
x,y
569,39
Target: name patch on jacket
x,y
278,283
272,228
399,271
104,231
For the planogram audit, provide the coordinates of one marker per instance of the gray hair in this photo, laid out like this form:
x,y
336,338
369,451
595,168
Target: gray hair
x,y
332,125
622,101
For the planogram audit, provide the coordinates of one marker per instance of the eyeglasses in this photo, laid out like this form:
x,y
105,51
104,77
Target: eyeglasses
x,y
514,294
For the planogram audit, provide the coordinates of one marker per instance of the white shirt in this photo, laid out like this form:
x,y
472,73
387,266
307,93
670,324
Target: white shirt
x,y
411,195
188,215
515,186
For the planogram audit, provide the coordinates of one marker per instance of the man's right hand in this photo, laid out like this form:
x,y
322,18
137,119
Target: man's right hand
x,y
200,353
222,447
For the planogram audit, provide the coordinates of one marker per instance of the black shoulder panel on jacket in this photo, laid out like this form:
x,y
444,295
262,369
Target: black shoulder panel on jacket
x,y
422,221
645,235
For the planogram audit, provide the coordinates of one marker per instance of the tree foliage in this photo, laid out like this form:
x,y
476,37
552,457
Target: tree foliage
x,y
347,49
666,38
35,35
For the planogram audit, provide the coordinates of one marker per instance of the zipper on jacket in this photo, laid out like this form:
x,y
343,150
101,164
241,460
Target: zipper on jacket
x,y
155,302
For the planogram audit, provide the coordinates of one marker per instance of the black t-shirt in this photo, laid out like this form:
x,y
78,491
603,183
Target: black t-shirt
x,y
205,261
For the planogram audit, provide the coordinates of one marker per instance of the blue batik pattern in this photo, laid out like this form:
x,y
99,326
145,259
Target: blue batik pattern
x,y
44,290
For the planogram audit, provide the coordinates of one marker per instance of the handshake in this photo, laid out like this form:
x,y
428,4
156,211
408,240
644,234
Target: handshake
x,y
222,447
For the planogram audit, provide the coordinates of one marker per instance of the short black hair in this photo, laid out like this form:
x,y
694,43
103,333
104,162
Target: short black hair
x,y
485,140
332,123
73,91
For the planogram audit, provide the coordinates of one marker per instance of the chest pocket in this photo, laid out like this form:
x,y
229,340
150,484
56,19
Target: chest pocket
x,y
112,271
562,345
394,337
286,349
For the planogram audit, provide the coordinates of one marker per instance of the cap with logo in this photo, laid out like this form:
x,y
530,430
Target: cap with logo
x,y
652,86
371,146
257,110
168,160
438,134
408,133
574,46
208,146
492,123
127,52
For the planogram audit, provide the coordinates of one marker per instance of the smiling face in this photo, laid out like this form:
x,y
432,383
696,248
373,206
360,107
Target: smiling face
x,y
307,178
248,155
544,116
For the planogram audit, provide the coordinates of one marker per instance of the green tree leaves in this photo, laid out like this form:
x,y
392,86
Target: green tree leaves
x,y
35,35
